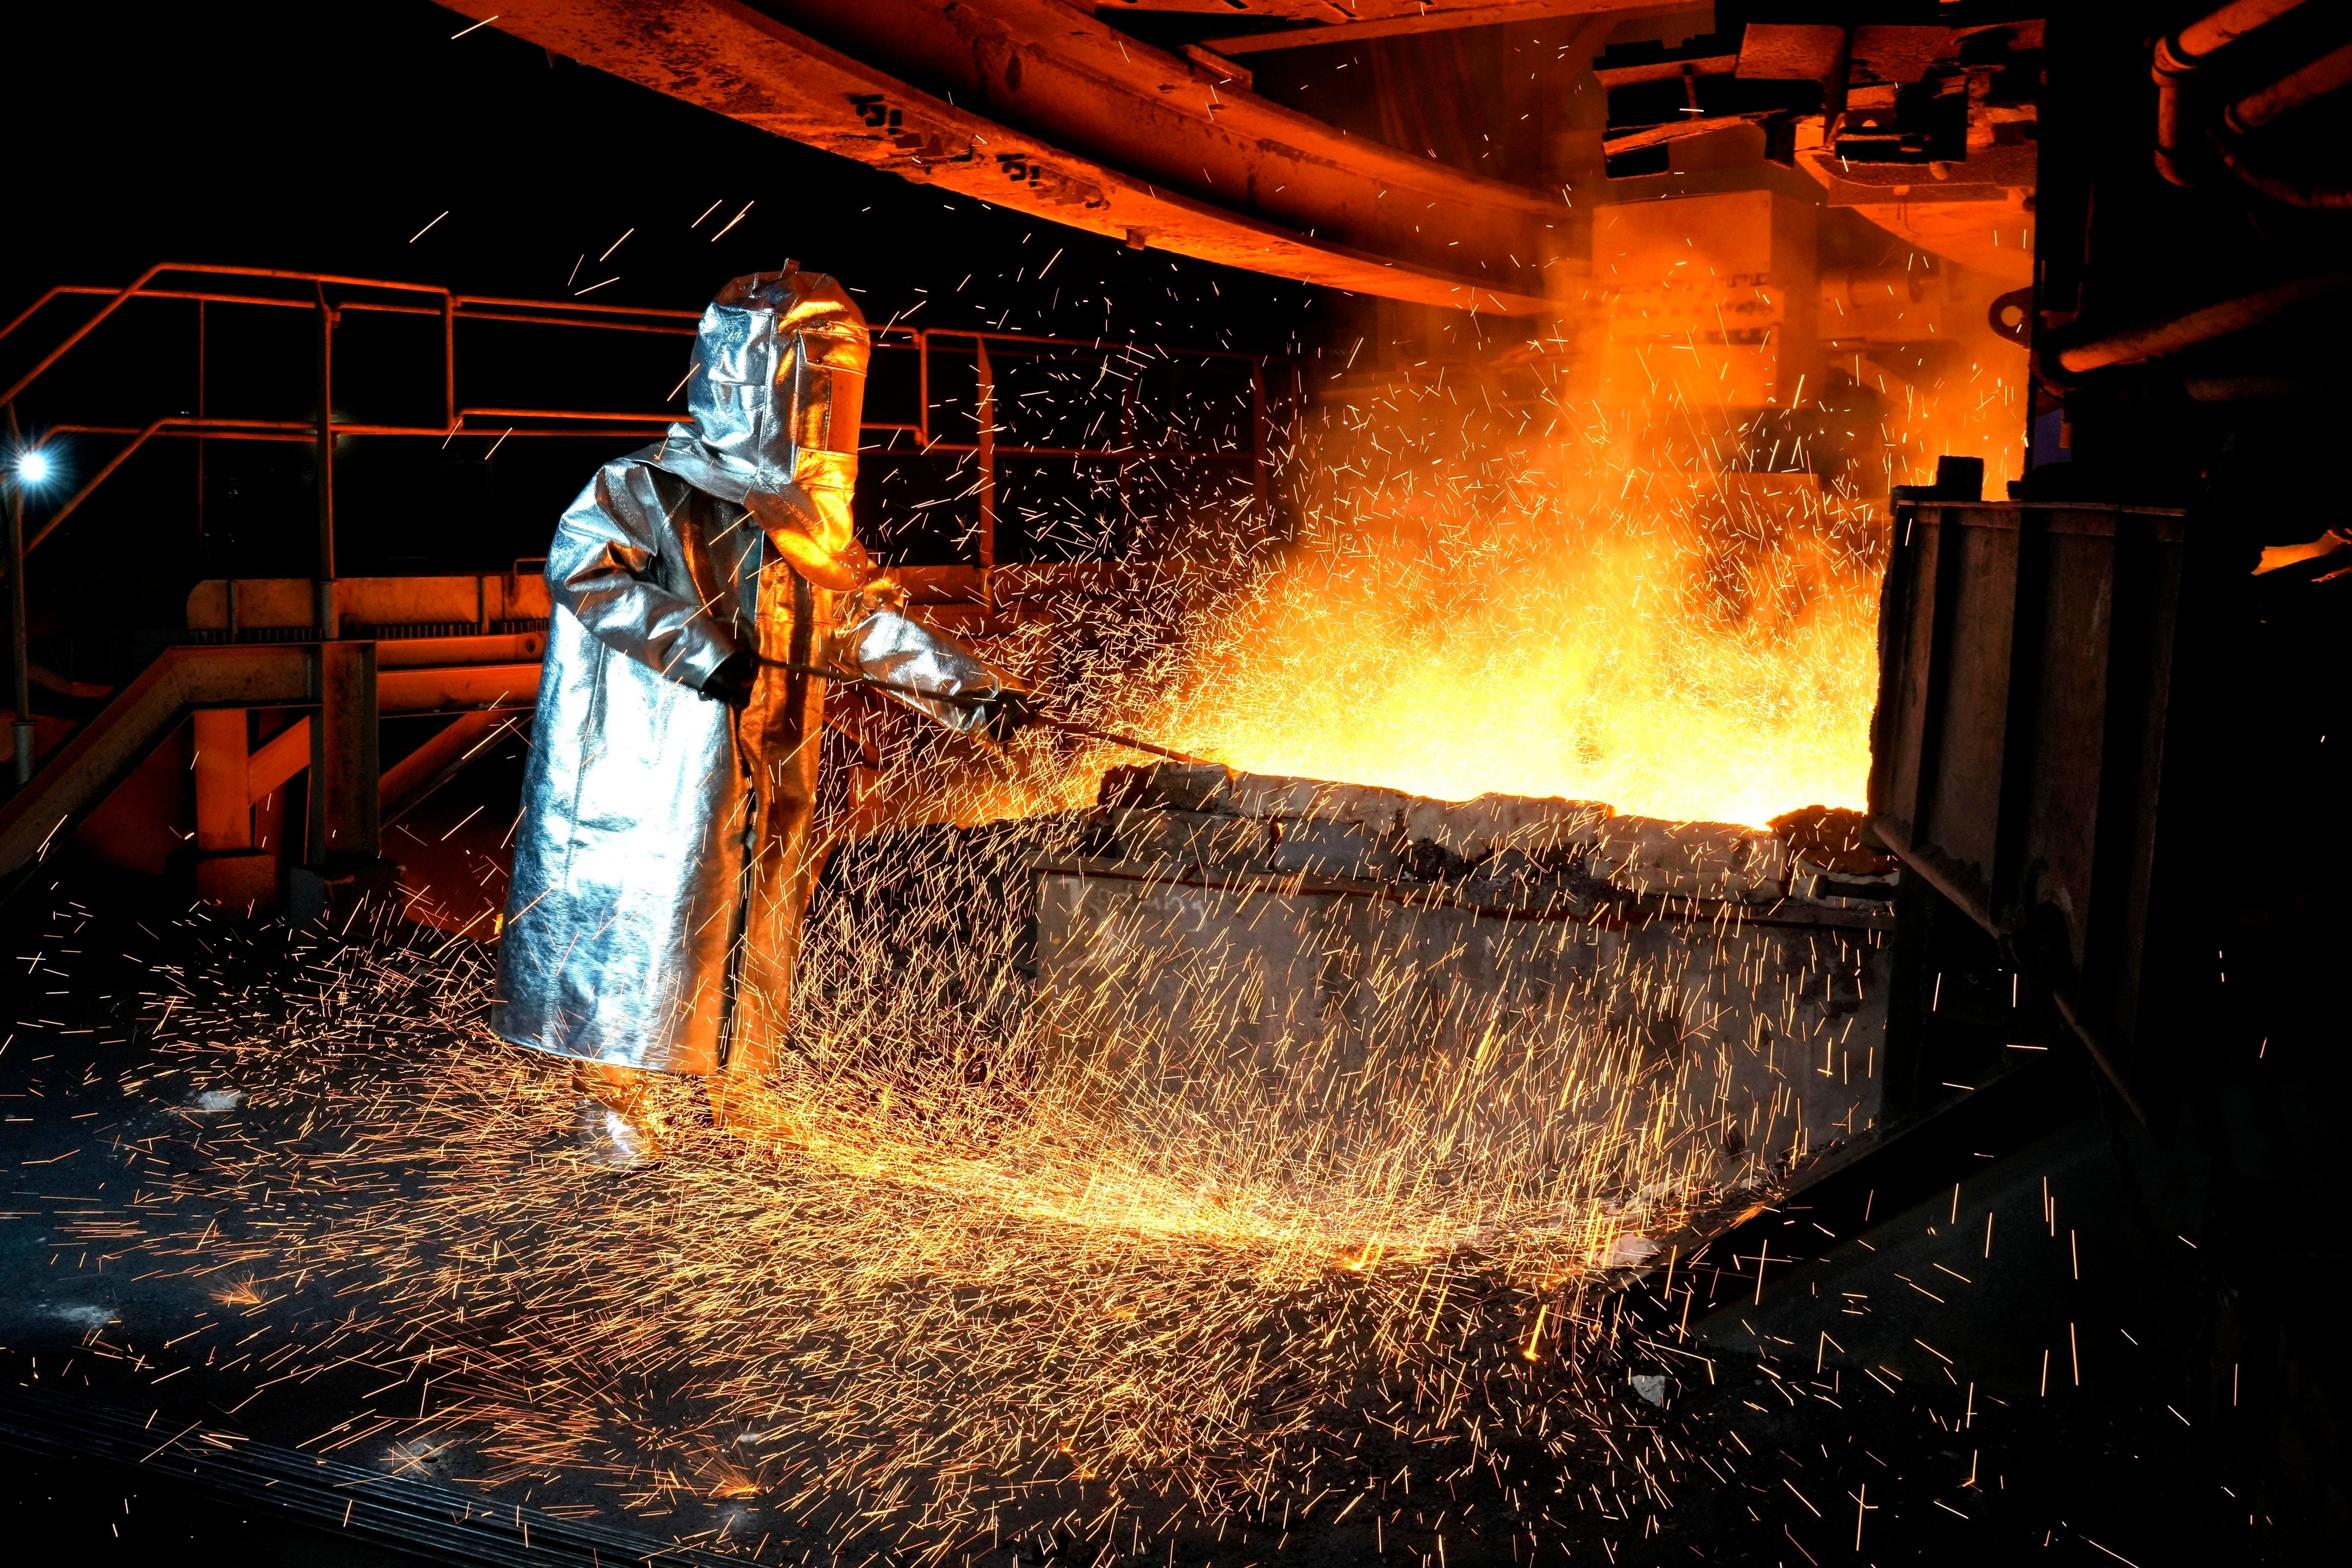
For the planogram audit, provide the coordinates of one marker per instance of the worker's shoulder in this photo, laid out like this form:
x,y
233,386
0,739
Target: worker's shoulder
x,y
638,477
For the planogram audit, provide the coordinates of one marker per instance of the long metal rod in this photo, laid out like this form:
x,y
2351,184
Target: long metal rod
x,y
608,423
1067,726
1152,748
552,313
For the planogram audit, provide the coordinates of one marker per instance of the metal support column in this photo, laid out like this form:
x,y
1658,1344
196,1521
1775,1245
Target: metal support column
x,y
202,323
344,862
987,443
1261,460
1126,459
323,612
343,767
229,872
224,799
21,732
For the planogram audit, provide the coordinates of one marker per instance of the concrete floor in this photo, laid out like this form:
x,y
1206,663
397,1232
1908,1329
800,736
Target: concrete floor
x,y
1897,1377
102,1515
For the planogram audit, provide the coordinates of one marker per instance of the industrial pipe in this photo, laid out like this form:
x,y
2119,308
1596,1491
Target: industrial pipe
x,y
2267,388
2137,343
1858,287
2226,25
2292,92
2292,191
2330,73
2178,56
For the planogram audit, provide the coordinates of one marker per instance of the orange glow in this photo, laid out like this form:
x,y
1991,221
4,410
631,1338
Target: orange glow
x,y
1610,666
1612,611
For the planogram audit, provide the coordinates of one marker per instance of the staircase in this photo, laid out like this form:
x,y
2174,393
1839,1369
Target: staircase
x,y
420,657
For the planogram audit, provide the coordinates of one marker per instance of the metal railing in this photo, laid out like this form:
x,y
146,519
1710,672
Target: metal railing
x,y
449,307
331,297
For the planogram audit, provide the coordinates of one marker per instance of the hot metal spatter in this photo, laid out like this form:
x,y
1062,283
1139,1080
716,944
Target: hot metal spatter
x,y
662,864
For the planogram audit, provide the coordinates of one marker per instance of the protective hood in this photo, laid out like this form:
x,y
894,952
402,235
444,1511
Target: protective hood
x,y
777,389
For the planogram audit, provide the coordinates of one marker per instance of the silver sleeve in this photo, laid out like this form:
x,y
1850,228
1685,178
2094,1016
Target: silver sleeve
x,y
887,647
608,563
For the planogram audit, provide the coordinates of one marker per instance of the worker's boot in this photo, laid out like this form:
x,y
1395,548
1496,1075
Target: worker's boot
x,y
614,1125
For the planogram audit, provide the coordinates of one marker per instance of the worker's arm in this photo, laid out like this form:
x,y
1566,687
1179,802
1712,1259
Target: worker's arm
x,y
931,669
609,553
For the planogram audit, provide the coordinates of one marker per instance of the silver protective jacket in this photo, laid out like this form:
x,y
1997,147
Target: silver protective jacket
x,y
661,860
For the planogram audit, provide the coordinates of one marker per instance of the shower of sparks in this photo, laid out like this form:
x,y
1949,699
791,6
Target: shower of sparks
x,y
1003,1257
1027,1266
1495,586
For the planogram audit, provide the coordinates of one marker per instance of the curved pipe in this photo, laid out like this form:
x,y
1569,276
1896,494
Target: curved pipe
x,y
2178,58
2295,193
2137,343
2322,76
2226,25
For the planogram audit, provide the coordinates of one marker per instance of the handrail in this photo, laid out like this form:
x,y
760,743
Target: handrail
x,y
138,284
553,313
50,525
452,306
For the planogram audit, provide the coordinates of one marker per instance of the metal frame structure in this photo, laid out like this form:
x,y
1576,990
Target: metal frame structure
x,y
2019,752
332,665
196,284
1040,108
451,306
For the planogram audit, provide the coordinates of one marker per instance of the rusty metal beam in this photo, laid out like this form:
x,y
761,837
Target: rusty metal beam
x,y
279,758
1336,13
441,758
222,767
457,688
343,766
1395,21
1056,114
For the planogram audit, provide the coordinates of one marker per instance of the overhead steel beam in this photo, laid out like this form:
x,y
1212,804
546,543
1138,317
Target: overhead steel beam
x,y
1037,105
1323,25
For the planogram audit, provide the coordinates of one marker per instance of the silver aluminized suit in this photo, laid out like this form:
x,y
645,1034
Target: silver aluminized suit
x,y
662,860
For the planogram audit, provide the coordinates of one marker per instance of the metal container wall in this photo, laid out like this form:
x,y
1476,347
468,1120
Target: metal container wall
x,y
2026,687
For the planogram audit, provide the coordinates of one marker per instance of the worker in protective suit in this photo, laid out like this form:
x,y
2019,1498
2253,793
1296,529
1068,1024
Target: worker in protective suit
x,y
663,859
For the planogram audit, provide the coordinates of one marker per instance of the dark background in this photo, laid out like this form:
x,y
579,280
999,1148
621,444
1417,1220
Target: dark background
x,y
324,138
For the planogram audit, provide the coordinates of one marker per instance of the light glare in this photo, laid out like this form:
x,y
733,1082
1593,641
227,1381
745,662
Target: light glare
x,y
33,466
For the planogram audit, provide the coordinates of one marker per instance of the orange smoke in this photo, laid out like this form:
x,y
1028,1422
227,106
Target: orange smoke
x,y
1609,610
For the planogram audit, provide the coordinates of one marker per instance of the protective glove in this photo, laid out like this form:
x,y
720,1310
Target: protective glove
x,y
1007,712
730,683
